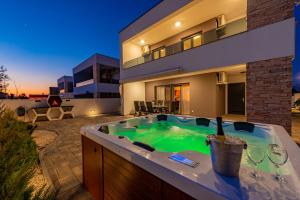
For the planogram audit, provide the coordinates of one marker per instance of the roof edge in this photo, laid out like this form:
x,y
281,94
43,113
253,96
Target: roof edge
x,y
141,15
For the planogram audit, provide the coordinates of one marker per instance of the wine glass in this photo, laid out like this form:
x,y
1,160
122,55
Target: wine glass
x,y
278,156
256,155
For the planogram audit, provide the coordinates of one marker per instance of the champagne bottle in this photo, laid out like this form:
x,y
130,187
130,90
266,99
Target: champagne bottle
x,y
220,131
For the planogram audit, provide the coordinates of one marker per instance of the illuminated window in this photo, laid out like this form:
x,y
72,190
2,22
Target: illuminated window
x,y
159,53
156,55
191,41
187,44
197,40
163,52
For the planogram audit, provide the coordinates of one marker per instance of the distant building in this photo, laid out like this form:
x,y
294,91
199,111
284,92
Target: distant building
x,y
53,91
65,86
97,77
3,95
38,96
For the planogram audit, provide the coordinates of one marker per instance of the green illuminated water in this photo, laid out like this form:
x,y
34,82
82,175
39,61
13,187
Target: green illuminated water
x,y
173,137
169,137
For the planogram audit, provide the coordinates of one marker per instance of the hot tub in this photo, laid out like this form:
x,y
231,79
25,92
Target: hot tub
x,y
146,143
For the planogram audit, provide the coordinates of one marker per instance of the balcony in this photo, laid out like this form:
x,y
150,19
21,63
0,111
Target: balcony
x,y
232,28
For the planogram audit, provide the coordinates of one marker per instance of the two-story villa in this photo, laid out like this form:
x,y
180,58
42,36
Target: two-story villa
x,y
213,57
97,77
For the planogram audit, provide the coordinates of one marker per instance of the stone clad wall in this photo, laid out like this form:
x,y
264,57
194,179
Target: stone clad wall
x,y
269,82
264,12
269,92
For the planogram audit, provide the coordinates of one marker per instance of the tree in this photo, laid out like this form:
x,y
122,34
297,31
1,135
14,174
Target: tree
x,y
3,79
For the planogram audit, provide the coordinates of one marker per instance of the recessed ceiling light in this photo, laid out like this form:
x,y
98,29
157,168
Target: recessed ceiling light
x,y
178,24
142,41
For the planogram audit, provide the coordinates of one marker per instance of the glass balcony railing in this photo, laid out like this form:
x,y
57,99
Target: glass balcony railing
x,y
210,36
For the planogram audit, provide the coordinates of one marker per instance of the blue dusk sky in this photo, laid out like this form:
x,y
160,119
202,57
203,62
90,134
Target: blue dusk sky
x,y
41,40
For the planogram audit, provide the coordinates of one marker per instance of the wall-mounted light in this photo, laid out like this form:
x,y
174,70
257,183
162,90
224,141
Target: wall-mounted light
x,y
142,41
146,49
92,112
178,24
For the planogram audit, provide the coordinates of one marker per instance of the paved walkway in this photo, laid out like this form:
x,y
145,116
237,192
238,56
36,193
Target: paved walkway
x,y
61,160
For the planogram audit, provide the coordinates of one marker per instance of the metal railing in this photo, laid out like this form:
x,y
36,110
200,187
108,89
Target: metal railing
x,y
210,36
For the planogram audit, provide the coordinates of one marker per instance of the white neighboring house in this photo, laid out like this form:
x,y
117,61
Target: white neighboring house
x,y
97,77
65,87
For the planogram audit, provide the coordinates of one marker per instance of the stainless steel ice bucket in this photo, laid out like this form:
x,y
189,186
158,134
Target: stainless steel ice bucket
x,y
226,155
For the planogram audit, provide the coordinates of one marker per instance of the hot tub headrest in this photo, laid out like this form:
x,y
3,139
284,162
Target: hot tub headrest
x,y
104,129
162,117
144,146
202,121
244,126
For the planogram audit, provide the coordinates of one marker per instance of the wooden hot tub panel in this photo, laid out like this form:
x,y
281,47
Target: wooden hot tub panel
x,y
109,176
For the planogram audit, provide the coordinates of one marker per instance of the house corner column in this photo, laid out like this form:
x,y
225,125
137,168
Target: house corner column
x,y
269,82
269,91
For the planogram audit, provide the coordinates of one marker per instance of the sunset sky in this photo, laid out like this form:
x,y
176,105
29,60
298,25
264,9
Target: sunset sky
x,y
43,40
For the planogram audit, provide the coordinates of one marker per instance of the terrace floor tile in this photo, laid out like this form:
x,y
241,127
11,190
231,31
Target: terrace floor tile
x,y
63,157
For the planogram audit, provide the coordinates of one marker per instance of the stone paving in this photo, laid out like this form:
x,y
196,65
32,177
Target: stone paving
x,y
62,159
42,138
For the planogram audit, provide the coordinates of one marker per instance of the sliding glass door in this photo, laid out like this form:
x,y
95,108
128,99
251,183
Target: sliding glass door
x,y
185,99
175,96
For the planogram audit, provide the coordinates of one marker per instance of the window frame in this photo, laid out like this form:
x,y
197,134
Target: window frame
x,y
159,52
190,37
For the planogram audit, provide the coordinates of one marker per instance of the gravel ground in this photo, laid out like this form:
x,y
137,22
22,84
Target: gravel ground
x,y
42,139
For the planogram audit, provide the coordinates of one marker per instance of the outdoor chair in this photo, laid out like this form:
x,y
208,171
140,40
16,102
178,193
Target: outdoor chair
x,y
150,107
143,107
160,102
137,108
167,104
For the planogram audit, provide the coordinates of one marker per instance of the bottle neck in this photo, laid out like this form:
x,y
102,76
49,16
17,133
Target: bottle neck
x,y
220,130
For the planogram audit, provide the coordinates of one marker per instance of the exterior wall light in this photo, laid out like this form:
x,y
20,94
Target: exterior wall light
x,y
178,24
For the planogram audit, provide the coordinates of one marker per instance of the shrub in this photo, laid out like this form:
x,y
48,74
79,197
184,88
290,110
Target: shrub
x,y
18,160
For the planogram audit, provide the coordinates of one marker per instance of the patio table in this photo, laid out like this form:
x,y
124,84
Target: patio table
x,y
160,108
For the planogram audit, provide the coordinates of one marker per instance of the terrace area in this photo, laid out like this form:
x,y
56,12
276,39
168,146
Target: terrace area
x,y
61,159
